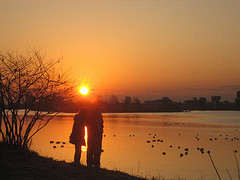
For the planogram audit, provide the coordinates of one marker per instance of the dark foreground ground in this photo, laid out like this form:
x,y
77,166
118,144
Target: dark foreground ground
x,y
16,163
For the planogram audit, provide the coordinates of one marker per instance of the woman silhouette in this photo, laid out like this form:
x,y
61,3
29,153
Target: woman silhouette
x,y
77,135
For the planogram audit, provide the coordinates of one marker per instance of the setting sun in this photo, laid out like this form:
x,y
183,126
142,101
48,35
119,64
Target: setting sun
x,y
84,90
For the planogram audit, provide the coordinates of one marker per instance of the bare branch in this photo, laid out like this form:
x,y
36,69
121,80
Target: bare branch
x,y
32,83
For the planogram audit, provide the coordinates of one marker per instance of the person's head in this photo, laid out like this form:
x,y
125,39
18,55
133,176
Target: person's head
x,y
90,104
82,108
93,106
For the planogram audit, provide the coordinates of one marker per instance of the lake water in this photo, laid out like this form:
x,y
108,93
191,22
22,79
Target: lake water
x,y
129,143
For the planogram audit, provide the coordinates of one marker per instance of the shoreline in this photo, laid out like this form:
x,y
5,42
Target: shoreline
x,y
17,163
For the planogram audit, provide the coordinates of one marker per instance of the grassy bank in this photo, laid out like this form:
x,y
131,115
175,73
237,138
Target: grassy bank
x,y
16,163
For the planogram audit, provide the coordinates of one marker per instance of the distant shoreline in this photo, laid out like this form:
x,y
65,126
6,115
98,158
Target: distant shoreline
x,y
62,113
102,111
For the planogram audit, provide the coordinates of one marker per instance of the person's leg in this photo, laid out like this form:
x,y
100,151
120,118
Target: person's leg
x,y
97,157
97,152
89,157
90,152
77,155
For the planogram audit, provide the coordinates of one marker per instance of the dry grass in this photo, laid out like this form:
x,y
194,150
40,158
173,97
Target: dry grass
x,y
16,163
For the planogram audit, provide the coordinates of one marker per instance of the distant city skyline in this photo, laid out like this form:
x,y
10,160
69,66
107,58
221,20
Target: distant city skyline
x,y
174,98
146,49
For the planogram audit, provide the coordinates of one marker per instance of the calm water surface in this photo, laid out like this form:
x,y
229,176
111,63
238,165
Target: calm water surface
x,y
129,143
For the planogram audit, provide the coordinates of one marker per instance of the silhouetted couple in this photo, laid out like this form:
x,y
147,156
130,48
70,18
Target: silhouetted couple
x,y
92,119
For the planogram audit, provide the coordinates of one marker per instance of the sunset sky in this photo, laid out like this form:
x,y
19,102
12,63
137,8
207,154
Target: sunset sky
x,y
140,48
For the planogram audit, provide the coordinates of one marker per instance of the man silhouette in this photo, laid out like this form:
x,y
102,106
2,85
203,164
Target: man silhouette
x,y
94,123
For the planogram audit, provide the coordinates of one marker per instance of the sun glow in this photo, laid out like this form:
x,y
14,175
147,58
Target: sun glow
x,y
84,90
84,148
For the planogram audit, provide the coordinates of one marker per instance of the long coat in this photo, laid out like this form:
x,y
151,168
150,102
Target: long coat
x,y
78,130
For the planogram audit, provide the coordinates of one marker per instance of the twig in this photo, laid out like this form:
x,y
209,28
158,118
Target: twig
x,y
237,164
138,167
229,174
213,165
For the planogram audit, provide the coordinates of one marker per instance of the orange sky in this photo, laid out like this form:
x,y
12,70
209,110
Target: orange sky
x,y
144,48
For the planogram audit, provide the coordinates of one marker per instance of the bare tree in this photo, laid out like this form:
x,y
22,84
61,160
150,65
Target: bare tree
x,y
28,84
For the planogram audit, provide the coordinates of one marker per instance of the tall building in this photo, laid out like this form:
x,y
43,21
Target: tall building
x,y
237,100
203,99
216,99
238,95
195,98
128,99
